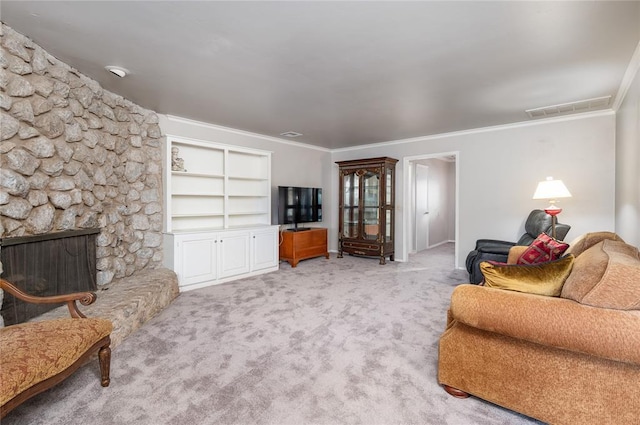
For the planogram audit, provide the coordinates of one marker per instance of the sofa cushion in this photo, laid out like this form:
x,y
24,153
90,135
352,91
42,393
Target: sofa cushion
x,y
586,241
542,279
543,248
606,275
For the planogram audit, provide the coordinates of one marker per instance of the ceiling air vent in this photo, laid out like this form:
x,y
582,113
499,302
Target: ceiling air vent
x,y
570,108
291,134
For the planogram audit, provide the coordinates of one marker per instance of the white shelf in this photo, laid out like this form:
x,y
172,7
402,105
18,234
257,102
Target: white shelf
x,y
248,178
206,195
221,187
197,224
189,174
248,212
197,215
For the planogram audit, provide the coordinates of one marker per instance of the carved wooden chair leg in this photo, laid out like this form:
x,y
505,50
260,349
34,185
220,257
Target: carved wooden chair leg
x,y
104,356
455,392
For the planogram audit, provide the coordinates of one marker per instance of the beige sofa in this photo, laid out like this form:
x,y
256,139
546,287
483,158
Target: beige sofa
x,y
572,359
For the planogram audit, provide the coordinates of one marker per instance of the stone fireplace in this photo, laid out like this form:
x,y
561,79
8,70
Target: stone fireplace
x,y
74,156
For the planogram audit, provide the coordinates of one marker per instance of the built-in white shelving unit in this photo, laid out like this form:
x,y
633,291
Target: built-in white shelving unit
x,y
218,212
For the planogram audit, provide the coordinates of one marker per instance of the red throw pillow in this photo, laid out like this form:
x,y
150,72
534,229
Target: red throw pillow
x,y
543,249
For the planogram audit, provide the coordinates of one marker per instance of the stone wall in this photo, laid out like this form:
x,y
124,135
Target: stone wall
x,y
75,156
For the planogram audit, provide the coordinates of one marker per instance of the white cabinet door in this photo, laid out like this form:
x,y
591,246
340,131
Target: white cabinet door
x,y
264,248
234,251
197,258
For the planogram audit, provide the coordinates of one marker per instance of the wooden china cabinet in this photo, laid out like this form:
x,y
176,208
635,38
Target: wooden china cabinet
x,y
367,204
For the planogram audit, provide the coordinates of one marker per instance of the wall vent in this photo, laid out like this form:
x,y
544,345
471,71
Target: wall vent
x,y
570,108
291,134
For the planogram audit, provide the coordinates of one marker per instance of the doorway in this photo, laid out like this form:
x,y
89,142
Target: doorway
x,y
431,206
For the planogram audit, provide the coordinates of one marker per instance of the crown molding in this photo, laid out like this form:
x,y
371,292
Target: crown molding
x,y
627,79
501,127
540,121
243,132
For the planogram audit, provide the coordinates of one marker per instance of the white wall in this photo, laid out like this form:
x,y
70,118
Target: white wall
x,y
498,171
628,165
500,167
291,164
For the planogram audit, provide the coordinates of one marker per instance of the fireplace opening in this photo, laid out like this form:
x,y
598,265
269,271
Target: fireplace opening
x,y
44,265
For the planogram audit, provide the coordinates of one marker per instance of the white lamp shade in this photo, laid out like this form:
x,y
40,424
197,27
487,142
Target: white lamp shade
x,y
551,189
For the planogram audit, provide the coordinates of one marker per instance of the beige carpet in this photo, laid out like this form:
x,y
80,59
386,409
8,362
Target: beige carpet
x,y
338,341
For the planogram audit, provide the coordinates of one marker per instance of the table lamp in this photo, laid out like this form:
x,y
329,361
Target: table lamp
x,y
552,189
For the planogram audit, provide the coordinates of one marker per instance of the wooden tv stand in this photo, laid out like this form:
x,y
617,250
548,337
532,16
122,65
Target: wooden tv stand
x,y
303,244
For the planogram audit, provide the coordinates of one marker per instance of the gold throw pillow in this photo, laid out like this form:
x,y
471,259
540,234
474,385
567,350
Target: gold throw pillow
x,y
542,278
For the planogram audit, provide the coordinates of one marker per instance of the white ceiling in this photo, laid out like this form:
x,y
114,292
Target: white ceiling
x,y
342,73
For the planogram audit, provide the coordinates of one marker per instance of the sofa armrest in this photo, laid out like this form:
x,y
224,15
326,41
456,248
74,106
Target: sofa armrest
x,y
85,298
493,246
550,321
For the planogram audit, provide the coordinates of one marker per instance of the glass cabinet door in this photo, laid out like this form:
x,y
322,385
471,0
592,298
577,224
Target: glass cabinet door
x,y
388,223
388,220
350,210
388,186
371,219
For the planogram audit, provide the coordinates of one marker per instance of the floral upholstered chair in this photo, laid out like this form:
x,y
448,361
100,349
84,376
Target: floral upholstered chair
x,y
35,356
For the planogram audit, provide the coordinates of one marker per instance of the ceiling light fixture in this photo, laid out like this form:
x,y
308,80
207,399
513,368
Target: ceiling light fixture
x,y
116,70
291,134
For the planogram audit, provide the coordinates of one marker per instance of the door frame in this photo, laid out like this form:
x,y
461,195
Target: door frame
x,y
409,188
415,222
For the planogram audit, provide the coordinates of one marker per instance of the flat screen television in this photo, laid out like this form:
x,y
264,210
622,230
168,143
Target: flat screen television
x,y
299,205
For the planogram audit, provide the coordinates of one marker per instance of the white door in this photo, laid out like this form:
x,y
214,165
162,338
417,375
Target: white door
x,y
264,249
422,207
198,258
